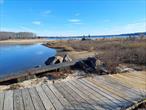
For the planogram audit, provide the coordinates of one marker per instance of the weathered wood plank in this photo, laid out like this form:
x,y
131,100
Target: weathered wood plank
x,y
68,96
120,94
18,102
1,100
35,71
46,101
127,82
123,83
95,99
119,85
60,97
53,98
124,98
89,101
8,102
102,99
28,104
124,103
136,89
131,79
135,77
103,93
139,74
116,86
78,97
36,99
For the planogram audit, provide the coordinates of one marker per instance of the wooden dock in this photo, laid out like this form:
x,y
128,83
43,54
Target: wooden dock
x,y
107,92
35,71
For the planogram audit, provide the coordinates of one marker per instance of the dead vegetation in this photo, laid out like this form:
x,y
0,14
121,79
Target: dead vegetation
x,y
112,51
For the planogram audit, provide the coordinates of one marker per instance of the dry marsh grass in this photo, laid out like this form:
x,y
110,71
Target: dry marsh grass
x,y
114,51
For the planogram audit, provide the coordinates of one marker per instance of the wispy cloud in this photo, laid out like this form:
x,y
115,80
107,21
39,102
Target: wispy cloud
x,y
1,2
75,21
47,12
36,22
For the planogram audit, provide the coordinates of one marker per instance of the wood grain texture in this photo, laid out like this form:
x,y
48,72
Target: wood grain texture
x,y
107,92
8,101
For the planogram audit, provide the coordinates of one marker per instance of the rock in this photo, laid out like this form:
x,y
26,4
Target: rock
x,y
88,65
58,59
38,66
54,60
103,70
123,69
128,70
66,58
119,69
138,68
49,60
98,63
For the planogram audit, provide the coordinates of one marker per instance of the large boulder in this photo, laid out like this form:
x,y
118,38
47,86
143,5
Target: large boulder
x,y
87,65
54,60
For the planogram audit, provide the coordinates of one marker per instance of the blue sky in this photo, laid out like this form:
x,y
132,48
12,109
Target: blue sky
x,y
73,17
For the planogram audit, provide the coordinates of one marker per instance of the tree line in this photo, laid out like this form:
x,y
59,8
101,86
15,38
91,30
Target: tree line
x,y
17,35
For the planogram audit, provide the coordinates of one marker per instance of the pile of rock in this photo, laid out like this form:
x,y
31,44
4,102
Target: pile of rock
x,y
89,65
94,65
57,59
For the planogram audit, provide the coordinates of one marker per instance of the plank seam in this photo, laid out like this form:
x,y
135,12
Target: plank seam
x,y
48,97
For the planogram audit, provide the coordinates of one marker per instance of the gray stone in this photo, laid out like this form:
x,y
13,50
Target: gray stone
x,y
54,60
66,58
123,69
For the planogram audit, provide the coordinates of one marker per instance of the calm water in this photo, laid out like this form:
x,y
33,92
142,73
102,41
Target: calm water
x,y
15,58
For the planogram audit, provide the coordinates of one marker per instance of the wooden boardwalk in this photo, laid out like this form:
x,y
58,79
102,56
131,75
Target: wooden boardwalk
x,y
108,92
35,71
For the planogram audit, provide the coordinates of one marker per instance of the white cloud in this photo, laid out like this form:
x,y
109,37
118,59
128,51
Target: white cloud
x,y
1,1
36,22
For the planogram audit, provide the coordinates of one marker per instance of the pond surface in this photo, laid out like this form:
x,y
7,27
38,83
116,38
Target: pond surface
x,y
15,58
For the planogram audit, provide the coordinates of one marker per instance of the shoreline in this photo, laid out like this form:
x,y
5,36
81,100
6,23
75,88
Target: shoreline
x,y
23,41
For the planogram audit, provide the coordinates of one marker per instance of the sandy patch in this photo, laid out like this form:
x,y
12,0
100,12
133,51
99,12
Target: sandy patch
x,y
23,41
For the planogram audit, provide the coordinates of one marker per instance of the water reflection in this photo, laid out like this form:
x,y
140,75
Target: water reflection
x,y
15,58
